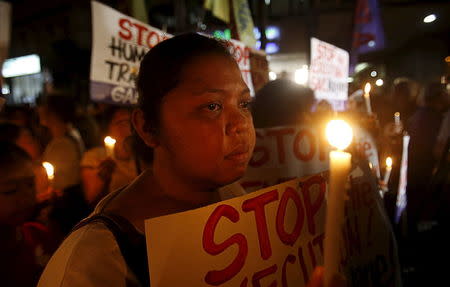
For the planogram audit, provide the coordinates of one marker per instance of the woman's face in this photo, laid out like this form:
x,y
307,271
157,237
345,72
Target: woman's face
x,y
206,132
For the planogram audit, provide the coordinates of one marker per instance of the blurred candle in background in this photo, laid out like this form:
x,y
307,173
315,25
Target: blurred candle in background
x,y
109,146
367,98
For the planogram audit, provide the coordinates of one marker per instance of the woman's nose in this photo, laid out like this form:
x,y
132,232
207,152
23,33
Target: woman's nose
x,y
237,122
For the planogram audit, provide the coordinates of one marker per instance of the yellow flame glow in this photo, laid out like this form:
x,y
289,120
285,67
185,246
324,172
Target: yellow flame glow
x,y
389,161
49,169
367,88
339,134
109,141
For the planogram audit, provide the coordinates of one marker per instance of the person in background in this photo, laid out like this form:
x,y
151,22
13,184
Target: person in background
x,y
25,246
22,137
101,174
66,147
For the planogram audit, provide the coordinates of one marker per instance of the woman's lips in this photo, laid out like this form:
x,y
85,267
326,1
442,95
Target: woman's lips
x,y
238,155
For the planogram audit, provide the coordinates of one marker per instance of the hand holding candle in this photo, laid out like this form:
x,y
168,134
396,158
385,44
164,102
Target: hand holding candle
x,y
367,98
109,145
340,135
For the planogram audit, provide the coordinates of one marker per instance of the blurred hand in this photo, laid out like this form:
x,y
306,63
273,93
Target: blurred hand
x,y
105,169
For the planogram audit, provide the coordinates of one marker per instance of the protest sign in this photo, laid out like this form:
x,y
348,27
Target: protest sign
x,y
119,43
284,153
328,73
274,237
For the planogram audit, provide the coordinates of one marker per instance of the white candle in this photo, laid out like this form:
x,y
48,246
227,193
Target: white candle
x,y
50,170
367,98
109,146
339,134
388,170
397,118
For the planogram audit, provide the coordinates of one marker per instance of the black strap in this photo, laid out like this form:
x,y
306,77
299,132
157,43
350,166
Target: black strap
x,y
131,243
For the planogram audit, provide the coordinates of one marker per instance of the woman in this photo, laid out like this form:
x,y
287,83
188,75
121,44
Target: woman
x,y
194,113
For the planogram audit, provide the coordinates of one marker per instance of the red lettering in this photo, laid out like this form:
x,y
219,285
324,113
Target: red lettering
x,y
313,207
291,259
125,33
279,133
217,277
151,39
264,273
254,162
244,282
285,237
257,204
303,265
312,145
141,29
311,254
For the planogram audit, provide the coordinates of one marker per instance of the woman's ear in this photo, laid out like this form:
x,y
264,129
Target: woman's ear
x,y
138,120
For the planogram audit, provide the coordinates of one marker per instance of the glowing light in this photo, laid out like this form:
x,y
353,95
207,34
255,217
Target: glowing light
x,y
301,75
367,88
373,74
272,33
389,162
447,59
379,82
350,80
371,44
429,18
49,169
272,75
21,66
339,134
272,48
109,141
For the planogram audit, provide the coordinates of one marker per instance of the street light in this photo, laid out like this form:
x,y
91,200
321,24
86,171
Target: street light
x,y
429,18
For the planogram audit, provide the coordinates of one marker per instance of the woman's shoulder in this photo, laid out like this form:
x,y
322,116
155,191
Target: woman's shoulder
x,y
89,256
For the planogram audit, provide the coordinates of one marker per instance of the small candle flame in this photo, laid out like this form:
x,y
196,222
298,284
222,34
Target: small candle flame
x,y
397,115
389,162
367,88
109,141
49,169
339,134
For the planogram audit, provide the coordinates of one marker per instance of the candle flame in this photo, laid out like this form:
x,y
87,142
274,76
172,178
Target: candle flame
x,y
389,161
339,134
397,115
109,141
367,88
49,169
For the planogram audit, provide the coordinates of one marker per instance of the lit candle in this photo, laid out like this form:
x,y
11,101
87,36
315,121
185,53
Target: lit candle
x,y
367,98
397,118
109,146
388,170
49,169
340,135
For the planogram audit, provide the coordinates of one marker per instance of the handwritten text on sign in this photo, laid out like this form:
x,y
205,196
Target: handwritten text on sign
x,y
273,235
285,153
329,71
120,43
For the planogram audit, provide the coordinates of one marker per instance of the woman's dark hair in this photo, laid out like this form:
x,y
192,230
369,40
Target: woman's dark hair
x,y
162,66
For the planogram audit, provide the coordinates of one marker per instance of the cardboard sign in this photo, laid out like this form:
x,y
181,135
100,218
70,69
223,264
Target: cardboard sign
x,y
285,153
328,73
367,147
273,236
119,44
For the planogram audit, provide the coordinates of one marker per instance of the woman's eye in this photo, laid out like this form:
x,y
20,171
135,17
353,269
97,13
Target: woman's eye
x,y
246,105
213,107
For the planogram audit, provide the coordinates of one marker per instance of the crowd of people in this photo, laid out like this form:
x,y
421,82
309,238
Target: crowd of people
x,y
174,151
